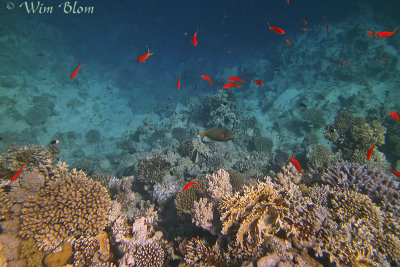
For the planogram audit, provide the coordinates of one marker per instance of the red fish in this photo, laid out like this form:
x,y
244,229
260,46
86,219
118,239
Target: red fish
x,y
17,174
189,185
386,34
371,33
370,151
395,173
230,85
348,63
178,85
304,29
289,42
75,72
144,57
296,164
394,115
194,39
205,77
304,20
341,63
276,29
382,59
326,27
259,82
236,79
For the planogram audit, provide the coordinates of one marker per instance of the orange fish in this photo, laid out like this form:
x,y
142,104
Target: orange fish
x,y
194,39
75,72
371,33
395,173
386,34
304,29
259,82
178,85
17,174
144,57
205,77
304,20
348,63
289,42
236,79
276,29
230,85
370,151
296,164
394,115
341,63
218,134
189,185
326,27
382,59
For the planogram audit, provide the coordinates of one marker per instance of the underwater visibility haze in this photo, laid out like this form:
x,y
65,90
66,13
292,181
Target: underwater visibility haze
x,y
199,133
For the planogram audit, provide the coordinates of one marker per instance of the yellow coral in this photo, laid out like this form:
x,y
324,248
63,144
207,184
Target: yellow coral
x,y
66,206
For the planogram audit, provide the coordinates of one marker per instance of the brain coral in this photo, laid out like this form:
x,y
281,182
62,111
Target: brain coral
x,y
69,205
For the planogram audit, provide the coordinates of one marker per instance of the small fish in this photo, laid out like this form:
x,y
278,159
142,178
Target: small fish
x,y
296,164
236,79
144,57
289,42
205,77
382,59
341,63
386,34
326,27
259,82
276,29
370,151
75,72
394,115
304,29
178,85
54,142
194,38
371,33
395,173
348,63
189,185
17,174
304,20
218,134
230,85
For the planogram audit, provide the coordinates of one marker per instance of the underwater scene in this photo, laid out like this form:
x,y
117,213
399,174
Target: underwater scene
x,y
199,133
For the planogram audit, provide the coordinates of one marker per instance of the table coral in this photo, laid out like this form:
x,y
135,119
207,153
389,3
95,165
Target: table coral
x,y
69,205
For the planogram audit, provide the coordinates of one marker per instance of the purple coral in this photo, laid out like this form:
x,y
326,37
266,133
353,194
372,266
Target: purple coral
x,y
365,179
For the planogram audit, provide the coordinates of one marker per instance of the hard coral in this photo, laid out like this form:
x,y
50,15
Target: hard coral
x,y
67,206
153,168
375,183
149,255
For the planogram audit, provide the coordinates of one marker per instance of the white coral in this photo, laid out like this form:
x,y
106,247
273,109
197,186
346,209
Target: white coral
x,y
219,185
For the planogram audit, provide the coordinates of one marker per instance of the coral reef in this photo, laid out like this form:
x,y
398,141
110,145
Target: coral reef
x,y
149,255
70,204
353,137
153,167
379,186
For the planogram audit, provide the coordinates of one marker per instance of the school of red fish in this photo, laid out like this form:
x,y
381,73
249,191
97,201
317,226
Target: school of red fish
x,y
236,82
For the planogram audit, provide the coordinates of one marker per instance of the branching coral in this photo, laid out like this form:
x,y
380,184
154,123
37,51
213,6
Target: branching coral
x,y
353,136
68,205
153,168
198,253
379,186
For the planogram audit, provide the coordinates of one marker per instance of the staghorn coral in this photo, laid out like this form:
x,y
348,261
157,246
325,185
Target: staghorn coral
x,y
379,186
67,206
